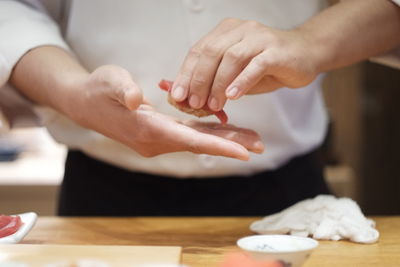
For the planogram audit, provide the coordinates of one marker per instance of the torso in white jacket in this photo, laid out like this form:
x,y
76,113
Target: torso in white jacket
x,y
150,39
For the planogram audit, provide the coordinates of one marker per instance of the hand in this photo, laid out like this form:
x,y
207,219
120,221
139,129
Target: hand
x,y
109,102
243,57
184,106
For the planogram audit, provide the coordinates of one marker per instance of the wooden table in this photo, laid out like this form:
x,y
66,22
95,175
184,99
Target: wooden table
x,y
206,240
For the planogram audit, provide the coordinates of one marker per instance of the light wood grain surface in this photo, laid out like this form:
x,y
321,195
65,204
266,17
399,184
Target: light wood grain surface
x,y
205,241
73,255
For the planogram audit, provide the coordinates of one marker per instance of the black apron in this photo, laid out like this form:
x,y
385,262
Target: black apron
x,y
94,188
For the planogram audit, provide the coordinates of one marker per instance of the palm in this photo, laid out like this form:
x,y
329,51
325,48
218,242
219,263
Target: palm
x,y
105,110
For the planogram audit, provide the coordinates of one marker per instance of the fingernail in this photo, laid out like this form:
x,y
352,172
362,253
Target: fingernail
x,y
213,104
232,92
178,93
194,101
243,154
259,146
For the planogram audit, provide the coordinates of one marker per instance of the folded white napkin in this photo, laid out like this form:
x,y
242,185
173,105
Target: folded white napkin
x,y
323,217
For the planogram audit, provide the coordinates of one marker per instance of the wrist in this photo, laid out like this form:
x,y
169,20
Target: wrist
x,y
317,48
68,100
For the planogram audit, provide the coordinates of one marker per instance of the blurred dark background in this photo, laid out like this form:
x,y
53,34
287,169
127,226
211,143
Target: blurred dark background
x,y
363,101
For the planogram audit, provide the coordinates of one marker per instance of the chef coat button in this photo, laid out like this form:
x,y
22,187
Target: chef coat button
x,y
195,5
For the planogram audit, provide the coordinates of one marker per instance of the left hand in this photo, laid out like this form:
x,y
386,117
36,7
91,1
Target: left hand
x,y
109,102
243,57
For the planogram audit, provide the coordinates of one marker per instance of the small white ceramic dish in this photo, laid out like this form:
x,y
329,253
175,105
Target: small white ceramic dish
x,y
28,219
290,250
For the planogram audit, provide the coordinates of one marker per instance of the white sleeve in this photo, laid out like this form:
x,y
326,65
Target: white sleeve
x,y
397,2
24,26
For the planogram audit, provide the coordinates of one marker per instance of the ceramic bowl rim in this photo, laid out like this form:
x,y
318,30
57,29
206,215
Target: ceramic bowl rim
x,y
291,251
28,219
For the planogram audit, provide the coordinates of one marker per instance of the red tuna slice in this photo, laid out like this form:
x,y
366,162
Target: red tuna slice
x,y
184,105
5,220
9,225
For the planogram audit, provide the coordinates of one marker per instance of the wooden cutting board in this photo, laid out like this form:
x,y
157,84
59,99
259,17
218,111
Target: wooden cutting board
x,y
82,256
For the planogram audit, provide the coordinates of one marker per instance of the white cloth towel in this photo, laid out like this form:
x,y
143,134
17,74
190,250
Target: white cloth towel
x,y
323,217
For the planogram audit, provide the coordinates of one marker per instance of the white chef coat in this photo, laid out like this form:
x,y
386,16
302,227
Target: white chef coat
x,y
150,39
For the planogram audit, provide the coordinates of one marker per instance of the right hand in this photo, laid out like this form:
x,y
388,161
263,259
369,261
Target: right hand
x,y
109,102
241,57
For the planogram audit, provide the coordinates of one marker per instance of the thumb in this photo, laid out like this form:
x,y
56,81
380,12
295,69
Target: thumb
x,y
132,97
120,84
267,84
257,77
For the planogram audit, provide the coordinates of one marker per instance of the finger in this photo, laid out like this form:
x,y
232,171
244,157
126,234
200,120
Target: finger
x,y
202,143
248,138
233,62
180,88
180,137
164,134
267,84
184,106
165,85
252,74
207,65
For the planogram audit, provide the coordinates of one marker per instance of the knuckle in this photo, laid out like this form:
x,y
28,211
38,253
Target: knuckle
x,y
198,81
230,20
212,50
252,24
235,55
233,136
115,71
185,75
245,79
112,76
260,61
110,81
194,52
219,86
